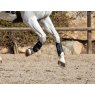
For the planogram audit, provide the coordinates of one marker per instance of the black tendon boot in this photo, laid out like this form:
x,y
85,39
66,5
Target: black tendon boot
x,y
59,51
59,48
37,46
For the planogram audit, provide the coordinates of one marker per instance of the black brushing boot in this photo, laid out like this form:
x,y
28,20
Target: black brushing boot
x,y
60,51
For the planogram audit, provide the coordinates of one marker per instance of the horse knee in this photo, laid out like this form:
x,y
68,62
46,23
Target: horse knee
x,y
42,38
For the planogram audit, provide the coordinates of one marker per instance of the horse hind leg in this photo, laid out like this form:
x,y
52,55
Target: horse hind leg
x,y
49,27
33,23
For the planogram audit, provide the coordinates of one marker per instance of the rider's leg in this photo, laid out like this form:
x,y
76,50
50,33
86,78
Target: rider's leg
x,y
18,17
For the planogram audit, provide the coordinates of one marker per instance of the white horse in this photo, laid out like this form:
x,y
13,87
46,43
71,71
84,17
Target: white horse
x,y
32,19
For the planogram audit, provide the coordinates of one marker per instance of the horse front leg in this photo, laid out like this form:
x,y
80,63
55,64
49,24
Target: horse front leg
x,y
49,27
33,23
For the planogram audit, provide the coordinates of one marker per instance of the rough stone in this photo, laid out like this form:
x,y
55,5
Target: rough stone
x,y
4,50
72,47
67,51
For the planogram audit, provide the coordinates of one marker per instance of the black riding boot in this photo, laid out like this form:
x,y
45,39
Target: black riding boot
x,y
19,18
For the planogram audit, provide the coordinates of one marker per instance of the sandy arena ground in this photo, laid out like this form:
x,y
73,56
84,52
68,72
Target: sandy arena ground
x,y
42,68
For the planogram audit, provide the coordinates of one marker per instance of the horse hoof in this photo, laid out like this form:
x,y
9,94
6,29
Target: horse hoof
x,y
61,63
28,52
0,61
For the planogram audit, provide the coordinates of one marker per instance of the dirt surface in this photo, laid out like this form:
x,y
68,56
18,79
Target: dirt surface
x,y
42,67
